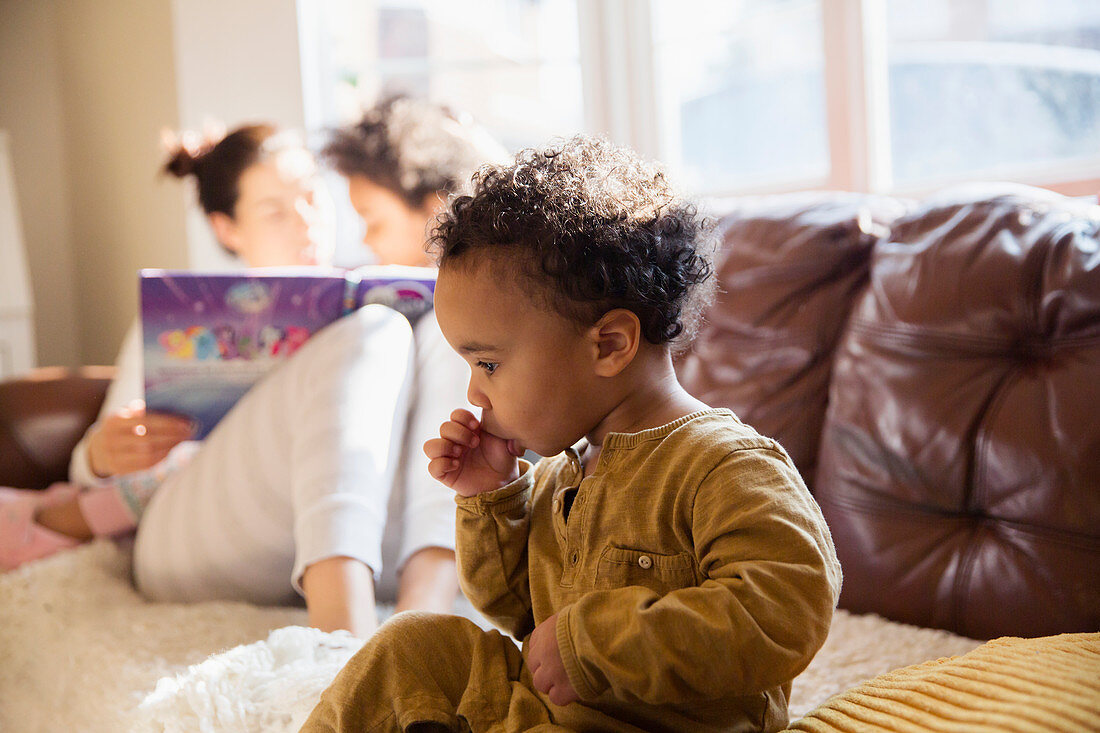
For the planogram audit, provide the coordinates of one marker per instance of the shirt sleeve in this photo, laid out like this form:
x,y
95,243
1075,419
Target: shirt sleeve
x,y
127,386
428,518
492,537
770,581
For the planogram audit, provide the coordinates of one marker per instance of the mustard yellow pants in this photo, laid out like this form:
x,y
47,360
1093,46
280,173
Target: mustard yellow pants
x,y
429,668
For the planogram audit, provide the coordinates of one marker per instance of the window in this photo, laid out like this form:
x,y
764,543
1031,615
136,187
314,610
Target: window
x,y
514,64
742,96
992,87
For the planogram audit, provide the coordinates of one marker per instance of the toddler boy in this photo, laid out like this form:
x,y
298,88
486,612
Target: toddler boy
x,y
666,567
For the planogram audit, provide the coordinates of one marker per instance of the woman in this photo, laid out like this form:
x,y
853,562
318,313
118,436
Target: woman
x,y
402,161
290,492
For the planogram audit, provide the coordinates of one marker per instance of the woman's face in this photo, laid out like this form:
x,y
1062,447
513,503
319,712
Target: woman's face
x,y
279,219
395,231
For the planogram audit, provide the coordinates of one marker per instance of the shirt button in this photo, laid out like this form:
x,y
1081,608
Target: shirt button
x,y
557,504
645,562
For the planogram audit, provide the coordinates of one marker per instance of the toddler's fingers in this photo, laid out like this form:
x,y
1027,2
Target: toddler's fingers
x,y
441,447
459,433
559,695
540,680
465,417
442,469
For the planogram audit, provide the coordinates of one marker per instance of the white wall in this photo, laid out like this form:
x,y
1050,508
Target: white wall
x,y
85,87
118,86
17,352
31,110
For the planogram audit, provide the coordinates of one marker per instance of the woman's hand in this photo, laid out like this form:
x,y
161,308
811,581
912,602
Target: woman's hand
x,y
547,668
134,440
470,460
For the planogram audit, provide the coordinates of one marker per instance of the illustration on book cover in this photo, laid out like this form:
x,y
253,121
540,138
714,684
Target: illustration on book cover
x,y
208,337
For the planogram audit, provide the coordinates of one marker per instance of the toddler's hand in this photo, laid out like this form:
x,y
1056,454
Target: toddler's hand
x,y
470,460
547,669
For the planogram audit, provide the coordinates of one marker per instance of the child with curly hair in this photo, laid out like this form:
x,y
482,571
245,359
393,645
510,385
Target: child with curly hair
x,y
666,568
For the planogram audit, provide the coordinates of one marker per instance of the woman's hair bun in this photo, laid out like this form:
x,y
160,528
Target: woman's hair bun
x,y
185,152
218,160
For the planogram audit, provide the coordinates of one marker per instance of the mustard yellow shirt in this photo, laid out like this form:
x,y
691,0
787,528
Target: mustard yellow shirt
x,y
692,570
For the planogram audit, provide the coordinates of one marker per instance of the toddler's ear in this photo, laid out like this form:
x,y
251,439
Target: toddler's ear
x,y
616,337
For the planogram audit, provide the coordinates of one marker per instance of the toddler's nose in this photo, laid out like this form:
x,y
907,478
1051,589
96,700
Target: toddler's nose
x,y
477,398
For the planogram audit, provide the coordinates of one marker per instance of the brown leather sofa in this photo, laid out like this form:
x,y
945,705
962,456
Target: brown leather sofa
x,y
934,370
43,415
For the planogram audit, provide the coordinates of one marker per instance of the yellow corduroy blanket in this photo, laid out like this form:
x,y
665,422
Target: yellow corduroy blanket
x,y
1045,684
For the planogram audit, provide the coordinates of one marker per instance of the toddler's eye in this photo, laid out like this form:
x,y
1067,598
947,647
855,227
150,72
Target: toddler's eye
x,y
488,366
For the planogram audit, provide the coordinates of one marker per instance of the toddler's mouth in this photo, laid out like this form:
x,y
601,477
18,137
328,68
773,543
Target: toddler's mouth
x,y
488,425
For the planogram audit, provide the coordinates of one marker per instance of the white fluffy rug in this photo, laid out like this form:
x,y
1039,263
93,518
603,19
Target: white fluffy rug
x,y
269,685
81,651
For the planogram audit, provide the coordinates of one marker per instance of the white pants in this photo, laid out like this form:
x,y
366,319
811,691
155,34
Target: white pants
x,y
299,470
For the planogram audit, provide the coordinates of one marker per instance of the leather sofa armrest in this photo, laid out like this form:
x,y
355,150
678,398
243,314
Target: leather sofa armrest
x,y
43,415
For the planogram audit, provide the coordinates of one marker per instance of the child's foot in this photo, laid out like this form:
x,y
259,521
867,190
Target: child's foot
x,y
21,538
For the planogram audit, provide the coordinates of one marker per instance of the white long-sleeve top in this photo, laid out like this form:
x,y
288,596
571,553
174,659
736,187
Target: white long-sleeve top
x,y
302,468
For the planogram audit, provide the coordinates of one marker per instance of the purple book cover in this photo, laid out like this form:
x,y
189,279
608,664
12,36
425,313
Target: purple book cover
x,y
208,337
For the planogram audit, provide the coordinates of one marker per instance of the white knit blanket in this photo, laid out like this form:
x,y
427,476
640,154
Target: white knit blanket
x,y
80,650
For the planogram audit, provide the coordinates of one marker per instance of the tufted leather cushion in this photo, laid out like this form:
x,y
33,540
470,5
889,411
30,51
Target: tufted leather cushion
x,y
960,455
42,417
788,269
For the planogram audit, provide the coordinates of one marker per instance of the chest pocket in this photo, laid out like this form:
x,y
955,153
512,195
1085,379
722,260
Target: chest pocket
x,y
619,567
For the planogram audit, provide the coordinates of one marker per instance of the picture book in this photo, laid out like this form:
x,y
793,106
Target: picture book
x,y
208,337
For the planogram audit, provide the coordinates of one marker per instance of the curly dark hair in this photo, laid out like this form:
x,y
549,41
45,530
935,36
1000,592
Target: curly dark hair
x,y
412,147
590,227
